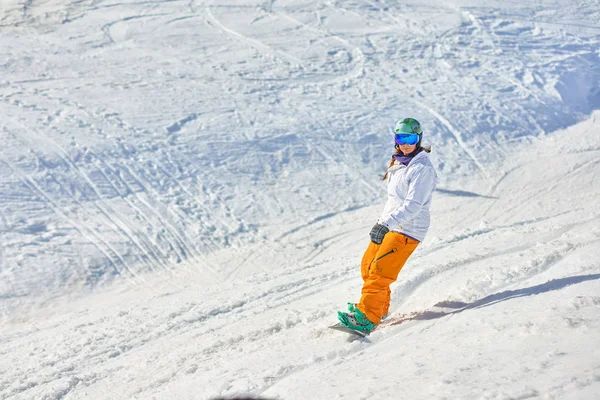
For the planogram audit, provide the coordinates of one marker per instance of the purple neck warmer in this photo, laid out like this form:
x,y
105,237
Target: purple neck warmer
x,y
406,159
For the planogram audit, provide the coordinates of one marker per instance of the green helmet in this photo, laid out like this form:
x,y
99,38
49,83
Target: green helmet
x,y
408,125
408,131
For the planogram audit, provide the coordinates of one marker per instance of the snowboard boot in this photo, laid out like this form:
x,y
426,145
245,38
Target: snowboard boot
x,y
352,307
356,320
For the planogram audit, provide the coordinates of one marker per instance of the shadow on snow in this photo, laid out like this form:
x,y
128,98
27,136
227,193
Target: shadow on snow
x,y
455,307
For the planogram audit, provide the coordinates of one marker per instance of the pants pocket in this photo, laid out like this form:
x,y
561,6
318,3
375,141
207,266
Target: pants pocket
x,y
392,251
392,256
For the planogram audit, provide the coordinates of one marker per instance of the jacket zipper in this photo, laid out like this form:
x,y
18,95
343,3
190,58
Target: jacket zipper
x,y
386,254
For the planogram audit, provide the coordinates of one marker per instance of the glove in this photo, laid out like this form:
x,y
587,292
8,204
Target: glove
x,y
378,232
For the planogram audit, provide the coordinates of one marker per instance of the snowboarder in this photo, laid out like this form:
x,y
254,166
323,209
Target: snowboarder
x,y
411,180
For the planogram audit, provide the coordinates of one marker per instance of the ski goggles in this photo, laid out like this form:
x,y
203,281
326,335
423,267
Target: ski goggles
x,y
406,138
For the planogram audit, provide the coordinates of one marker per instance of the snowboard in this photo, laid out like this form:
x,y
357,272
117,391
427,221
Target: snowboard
x,y
439,310
340,327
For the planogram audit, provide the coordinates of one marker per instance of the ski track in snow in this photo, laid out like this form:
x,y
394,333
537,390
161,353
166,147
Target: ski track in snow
x,y
186,189
264,315
308,66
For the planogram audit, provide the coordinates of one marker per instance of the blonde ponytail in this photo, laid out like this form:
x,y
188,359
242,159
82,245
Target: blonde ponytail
x,y
398,151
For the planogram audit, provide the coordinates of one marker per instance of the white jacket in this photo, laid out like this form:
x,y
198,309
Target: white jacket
x,y
409,190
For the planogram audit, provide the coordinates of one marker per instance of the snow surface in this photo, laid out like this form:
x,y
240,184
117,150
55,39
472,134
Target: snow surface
x,y
186,189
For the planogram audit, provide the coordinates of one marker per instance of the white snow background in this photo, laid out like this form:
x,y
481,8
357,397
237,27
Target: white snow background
x,y
187,187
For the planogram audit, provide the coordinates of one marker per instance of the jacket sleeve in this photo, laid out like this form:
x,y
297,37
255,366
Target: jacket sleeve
x,y
420,188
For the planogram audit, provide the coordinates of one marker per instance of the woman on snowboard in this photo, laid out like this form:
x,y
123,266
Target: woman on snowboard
x,y
411,180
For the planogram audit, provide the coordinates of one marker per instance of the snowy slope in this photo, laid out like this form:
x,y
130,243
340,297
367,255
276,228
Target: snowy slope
x,y
141,136
525,259
218,164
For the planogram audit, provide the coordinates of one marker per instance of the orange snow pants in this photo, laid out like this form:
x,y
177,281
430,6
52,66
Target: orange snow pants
x,y
380,267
